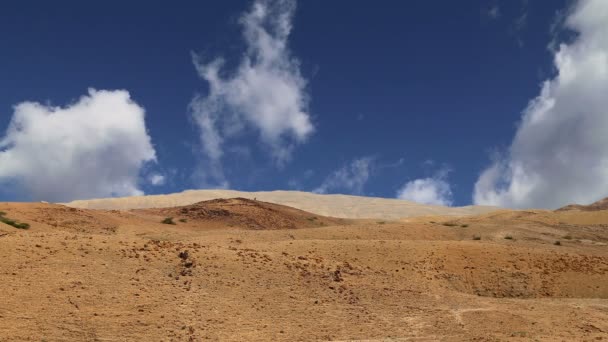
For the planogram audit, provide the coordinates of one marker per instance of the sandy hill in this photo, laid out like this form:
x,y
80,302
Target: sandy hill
x,y
242,213
599,205
342,206
235,270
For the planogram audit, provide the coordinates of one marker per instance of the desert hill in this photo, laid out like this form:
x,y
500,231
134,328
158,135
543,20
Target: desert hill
x,y
599,205
243,213
342,206
236,270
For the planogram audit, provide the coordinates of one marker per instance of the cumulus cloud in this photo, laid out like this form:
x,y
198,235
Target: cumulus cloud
x,y
92,148
559,154
266,93
156,179
351,178
433,190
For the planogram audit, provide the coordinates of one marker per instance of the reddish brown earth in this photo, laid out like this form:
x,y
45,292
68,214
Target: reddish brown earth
x,y
242,270
243,213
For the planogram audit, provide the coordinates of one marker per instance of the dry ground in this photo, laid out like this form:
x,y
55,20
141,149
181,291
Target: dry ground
x,y
343,206
95,275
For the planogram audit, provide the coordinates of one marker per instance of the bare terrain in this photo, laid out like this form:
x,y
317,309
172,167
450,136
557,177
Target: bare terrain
x,y
240,269
343,206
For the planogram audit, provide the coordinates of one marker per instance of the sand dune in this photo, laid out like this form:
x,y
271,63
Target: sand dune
x,y
342,206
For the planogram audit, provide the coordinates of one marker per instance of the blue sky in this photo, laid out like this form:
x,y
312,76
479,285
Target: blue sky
x,y
385,94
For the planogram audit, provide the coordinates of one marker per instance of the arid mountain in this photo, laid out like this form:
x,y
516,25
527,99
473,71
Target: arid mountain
x,y
599,205
236,270
342,206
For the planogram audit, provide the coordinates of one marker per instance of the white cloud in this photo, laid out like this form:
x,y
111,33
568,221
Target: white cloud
x,y
156,179
265,93
432,190
92,148
350,178
559,154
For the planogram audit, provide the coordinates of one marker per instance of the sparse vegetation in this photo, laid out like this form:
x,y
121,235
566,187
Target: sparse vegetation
x,y
450,224
168,220
519,334
331,269
557,243
433,222
11,222
464,225
381,222
568,237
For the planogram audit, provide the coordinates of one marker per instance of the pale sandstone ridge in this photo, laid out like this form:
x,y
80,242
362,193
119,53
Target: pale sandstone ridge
x,y
341,206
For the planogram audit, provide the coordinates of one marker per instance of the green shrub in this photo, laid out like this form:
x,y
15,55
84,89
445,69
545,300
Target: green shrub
x,y
448,224
557,243
168,220
476,237
11,222
22,226
509,237
183,220
568,237
464,225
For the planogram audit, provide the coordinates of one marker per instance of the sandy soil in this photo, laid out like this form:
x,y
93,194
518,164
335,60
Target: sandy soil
x,y
109,275
343,206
